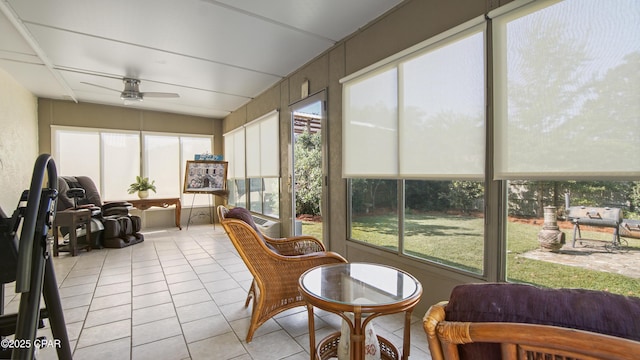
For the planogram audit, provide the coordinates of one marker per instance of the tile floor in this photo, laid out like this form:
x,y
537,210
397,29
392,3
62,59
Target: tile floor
x,y
180,295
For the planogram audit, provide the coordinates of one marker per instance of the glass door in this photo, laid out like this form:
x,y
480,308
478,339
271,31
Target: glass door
x,y
308,165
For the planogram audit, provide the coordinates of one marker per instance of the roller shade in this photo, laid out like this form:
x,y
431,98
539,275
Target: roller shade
x,y
567,90
421,113
262,146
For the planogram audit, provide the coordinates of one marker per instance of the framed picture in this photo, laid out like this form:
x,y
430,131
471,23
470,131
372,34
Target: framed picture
x,y
205,177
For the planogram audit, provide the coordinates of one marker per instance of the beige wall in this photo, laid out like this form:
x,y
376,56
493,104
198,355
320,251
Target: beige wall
x,y
19,145
67,113
408,24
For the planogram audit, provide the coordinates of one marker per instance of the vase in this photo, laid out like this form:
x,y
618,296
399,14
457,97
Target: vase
x,y
550,237
143,194
371,343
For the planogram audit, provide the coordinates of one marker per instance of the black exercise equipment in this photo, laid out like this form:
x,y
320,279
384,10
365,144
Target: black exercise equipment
x,y
28,263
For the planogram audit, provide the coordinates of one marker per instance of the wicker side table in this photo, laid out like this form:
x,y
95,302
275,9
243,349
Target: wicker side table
x,y
340,288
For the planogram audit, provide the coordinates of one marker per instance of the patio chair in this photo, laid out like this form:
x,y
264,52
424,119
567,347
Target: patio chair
x,y
298,245
516,321
276,264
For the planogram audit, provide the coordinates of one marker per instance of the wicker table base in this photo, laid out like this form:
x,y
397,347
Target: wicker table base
x,y
328,348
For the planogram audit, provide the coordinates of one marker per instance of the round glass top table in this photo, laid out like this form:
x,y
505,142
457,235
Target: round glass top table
x,y
357,289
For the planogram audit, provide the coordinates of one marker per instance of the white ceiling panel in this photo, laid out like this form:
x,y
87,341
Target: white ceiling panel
x,y
109,58
217,55
204,31
36,78
329,19
12,41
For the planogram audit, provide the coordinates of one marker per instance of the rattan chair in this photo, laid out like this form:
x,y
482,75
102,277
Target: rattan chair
x,y
521,340
276,266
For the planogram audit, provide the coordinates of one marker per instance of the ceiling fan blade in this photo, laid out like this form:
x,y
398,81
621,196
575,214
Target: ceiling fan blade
x,y
160,95
100,86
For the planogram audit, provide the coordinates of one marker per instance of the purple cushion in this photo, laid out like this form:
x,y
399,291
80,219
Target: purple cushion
x,y
595,311
244,215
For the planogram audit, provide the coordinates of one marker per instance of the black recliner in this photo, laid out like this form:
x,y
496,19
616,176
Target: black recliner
x,y
120,228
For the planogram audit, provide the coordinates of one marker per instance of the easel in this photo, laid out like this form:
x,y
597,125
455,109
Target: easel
x,y
205,177
210,211
213,194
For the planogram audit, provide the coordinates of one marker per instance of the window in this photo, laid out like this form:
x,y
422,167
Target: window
x,y
567,114
263,147
253,153
370,131
234,154
271,197
567,101
77,152
98,155
256,191
444,223
374,212
414,148
165,153
237,192
572,265
116,148
161,158
113,159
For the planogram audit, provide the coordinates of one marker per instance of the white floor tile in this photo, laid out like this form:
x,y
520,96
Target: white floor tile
x,y
180,295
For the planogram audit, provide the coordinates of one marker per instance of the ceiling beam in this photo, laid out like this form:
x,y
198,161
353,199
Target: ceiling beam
x,y
26,35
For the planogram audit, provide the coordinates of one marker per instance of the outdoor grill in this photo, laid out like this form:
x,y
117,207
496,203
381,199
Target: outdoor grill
x,y
595,216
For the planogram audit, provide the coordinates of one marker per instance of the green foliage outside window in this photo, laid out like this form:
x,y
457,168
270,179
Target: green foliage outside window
x,y
526,198
308,173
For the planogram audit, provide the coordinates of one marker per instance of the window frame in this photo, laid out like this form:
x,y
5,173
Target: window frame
x,y
251,160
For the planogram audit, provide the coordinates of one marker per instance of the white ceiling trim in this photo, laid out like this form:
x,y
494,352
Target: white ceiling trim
x,y
19,26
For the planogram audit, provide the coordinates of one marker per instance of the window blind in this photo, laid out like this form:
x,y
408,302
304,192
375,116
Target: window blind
x,y
234,153
442,116
370,125
262,146
421,113
567,90
161,159
120,155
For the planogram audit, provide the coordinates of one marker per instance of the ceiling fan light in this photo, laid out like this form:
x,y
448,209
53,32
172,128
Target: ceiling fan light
x,y
131,96
131,102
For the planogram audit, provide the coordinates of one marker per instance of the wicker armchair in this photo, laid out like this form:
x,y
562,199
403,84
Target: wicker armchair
x,y
521,341
276,265
515,321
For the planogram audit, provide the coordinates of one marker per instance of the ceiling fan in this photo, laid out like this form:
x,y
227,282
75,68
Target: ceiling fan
x,y
132,92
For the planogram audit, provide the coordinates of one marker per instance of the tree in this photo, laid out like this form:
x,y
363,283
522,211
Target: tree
x,y
423,195
308,173
463,195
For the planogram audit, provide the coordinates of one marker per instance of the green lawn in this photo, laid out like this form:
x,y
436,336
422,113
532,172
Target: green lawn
x,y
312,228
458,241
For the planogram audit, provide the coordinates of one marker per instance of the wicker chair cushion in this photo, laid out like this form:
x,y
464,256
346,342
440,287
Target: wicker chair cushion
x,y
595,311
243,214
